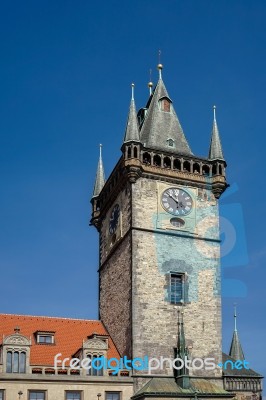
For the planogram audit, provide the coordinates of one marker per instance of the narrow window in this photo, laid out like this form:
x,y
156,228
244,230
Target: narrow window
x,y
176,288
112,396
2,394
15,362
95,362
22,362
9,362
36,395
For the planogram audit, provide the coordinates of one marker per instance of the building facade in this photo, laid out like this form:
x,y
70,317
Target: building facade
x,y
157,216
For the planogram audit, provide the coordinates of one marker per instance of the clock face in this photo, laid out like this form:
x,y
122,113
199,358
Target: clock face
x,y
177,201
114,218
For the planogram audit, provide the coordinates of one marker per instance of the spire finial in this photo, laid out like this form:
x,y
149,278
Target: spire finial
x,y
235,316
150,84
160,65
132,90
214,113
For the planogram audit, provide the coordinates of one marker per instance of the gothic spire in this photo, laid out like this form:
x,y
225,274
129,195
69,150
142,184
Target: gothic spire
x,y
236,351
100,179
182,353
161,128
181,342
215,152
132,129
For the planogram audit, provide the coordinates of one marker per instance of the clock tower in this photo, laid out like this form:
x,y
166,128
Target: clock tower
x,y
158,220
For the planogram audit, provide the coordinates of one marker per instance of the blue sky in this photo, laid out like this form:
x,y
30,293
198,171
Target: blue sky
x,y
65,74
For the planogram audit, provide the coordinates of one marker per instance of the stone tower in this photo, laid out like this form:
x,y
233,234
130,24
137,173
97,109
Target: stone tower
x,y
158,220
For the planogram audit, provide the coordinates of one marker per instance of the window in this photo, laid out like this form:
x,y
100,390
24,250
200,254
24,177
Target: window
x,y
36,395
45,337
165,105
170,142
176,288
16,362
112,396
73,395
2,393
95,362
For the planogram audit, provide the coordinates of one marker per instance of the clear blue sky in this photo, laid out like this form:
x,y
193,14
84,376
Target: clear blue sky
x,y
65,74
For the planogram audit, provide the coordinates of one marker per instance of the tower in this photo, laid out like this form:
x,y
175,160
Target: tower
x,y
157,217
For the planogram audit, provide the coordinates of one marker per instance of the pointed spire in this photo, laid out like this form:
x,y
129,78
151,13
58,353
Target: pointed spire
x,y
236,351
181,345
182,353
132,129
100,179
162,124
215,152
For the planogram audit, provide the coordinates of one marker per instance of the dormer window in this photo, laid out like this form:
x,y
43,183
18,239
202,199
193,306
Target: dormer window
x,y
170,142
165,105
45,337
16,353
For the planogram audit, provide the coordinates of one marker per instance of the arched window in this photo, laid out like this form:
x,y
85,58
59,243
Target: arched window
x,y
167,162
177,164
206,170
147,158
196,168
186,166
157,161
135,152
129,152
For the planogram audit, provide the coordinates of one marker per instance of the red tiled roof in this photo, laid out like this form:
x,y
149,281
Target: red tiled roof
x,y
69,335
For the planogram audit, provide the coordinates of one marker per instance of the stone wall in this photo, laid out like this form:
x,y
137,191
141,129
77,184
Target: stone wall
x,y
158,250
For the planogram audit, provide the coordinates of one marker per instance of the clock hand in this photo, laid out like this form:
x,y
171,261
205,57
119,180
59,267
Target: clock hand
x,y
174,198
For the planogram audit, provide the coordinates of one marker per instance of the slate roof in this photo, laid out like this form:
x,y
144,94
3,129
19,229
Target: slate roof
x,y
100,178
132,128
215,152
159,125
167,386
69,335
236,350
244,372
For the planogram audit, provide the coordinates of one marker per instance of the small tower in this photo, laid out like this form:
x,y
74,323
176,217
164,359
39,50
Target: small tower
x,y
216,157
182,375
238,377
236,351
98,185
